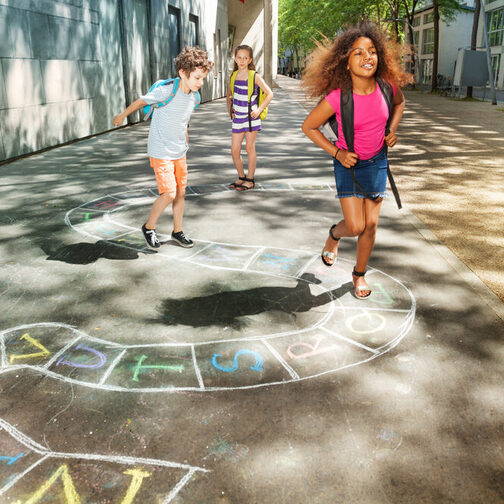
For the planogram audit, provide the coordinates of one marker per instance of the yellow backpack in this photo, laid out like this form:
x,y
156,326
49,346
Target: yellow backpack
x,y
250,91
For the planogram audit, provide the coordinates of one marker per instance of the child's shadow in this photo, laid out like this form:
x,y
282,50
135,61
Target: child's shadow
x,y
86,253
226,308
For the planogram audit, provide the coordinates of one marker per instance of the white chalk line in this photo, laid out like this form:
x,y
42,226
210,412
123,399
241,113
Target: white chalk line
x,y
115,459
318,325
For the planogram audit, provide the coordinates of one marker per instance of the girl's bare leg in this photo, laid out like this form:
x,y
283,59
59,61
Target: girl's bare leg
x,y
236,143
178,209
365,242
250,140
158,208
353,223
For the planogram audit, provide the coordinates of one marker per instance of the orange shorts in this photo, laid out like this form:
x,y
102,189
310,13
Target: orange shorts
x,y
170,174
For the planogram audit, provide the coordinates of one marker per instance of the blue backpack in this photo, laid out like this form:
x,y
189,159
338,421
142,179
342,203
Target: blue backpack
x,y
149,109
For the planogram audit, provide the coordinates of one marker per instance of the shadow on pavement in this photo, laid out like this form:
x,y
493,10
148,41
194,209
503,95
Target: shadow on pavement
x,y
87,253
226,308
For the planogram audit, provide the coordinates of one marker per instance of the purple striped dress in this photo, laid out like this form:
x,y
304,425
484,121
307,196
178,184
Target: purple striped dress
x,y
240,106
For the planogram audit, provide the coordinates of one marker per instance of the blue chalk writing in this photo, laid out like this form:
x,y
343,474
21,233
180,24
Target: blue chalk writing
x,y
258,366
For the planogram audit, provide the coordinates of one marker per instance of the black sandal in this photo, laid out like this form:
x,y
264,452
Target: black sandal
x,y
361,288
242,187
326,253
234,185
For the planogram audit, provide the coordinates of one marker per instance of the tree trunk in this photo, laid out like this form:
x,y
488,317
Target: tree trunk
x,y
477,10
436,45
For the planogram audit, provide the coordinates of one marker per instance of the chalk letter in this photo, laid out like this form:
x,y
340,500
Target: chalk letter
x,y
102,359
258,366
136,483
71,495
139,367
31,342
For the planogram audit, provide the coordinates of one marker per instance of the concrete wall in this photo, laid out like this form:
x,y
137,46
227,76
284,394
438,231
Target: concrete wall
x,y
62,63
256,25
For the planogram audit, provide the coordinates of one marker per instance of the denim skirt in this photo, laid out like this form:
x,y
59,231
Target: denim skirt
x,y
371,174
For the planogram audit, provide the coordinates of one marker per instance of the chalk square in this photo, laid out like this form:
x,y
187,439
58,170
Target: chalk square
x,y
340,273
36,344
280,261
316,352
234,365
374,329
387,293
105,204
15,458
159,367
138,194
85,361
170,248
80,216
225,256
97,481
134,240
276,187
102,230
208,188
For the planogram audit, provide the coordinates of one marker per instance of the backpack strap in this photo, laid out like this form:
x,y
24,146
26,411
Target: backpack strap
x,y
388,94
149,109
347,124
250,92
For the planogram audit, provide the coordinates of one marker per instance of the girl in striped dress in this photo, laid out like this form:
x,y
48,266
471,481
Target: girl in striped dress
x,y
246,120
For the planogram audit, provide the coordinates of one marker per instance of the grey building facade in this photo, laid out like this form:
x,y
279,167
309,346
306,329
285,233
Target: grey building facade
x,y
68,66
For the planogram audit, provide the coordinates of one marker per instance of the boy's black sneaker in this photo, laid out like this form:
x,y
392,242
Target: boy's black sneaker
x,y
182,239
151,237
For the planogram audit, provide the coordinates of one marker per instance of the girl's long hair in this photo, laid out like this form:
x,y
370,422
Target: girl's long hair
x,y
326,66
251,65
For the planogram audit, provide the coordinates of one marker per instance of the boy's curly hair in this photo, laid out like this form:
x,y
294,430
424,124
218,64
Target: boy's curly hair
x,y
192,58
326,67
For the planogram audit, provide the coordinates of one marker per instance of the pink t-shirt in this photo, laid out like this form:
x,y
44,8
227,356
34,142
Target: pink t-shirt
x,y
370,118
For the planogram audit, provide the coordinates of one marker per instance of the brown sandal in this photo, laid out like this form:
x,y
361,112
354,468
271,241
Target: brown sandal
x,y
242,187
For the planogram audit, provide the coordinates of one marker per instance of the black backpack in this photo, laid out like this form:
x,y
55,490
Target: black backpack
x,y
347,119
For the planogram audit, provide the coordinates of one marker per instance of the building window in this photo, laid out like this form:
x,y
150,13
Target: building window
x,y
416,21
428,41
428,18
496,59
495,23
426,71
416,39
193,30
174,35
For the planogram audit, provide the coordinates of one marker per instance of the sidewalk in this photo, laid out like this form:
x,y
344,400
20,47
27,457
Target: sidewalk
x,y
243,371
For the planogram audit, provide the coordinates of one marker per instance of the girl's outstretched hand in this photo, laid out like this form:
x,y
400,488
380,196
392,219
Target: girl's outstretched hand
x,y
255,114
391,139
346,158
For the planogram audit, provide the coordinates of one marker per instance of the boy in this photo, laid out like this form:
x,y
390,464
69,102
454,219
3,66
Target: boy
x,y
168,140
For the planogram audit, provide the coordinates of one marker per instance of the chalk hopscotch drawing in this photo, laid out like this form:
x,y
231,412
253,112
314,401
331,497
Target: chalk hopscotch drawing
x,y
132,474
345,334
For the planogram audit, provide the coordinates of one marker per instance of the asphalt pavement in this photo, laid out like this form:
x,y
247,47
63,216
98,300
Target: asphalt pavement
x,y
241,370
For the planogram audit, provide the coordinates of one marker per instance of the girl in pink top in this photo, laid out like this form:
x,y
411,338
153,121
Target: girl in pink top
x,y
353,62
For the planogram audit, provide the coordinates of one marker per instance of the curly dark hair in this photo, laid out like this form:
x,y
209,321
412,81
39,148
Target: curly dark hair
x,y
191,58
326,67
